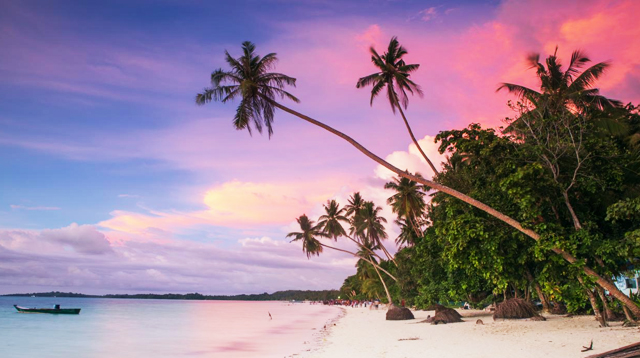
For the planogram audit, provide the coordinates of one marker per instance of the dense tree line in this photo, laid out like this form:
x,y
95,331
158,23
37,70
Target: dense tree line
x,y
289,295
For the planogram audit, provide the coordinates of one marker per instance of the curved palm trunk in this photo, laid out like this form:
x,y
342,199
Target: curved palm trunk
x,y
366,248
384,249
386,290
375,265
414,224
473,202
415,141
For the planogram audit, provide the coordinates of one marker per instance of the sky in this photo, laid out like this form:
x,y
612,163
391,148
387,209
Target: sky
x,y
112,180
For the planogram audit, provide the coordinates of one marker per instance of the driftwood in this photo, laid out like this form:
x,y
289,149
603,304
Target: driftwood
x,y
630,351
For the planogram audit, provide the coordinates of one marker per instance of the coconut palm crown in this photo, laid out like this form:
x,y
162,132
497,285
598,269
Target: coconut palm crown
x,y
394,75
250,80
330,221
561,89
308,234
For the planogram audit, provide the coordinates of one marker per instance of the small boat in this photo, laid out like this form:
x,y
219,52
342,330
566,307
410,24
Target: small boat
x,y
55,310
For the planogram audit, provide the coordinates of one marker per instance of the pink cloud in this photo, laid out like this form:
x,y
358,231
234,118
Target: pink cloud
x,y
233,203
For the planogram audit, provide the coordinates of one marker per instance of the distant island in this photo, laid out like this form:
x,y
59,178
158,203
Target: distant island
x,y
289,295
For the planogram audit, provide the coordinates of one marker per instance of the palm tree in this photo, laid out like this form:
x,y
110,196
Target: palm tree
x,y
366,251
563,91
355,204
368,224
394,74
408,201
251,82
331,226
408,235
309,235
330,221
565,96
258,89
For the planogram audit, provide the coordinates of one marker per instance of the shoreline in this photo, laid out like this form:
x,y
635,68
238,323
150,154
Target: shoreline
x,y
361,332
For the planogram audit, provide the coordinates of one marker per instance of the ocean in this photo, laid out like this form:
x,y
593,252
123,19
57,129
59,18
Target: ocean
x,y
128,328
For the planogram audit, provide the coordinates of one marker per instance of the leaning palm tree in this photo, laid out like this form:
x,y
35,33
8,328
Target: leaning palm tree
x,y
394,75
408,201
370,284
250,80
362,268
309,235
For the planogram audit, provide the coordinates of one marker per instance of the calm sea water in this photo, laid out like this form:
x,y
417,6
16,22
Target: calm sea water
x,y
160,328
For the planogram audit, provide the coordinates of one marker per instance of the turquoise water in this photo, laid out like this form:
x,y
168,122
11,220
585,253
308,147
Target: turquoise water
x,y
160,328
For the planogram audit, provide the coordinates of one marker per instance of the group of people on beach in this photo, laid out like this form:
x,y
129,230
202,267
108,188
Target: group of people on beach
x,y
372,304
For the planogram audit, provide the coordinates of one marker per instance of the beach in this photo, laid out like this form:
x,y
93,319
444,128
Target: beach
x,y
365,333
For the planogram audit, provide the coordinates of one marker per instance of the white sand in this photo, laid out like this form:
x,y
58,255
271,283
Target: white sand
x,y
366,333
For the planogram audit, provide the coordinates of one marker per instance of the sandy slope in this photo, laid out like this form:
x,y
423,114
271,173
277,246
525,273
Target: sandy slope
x,y
365,333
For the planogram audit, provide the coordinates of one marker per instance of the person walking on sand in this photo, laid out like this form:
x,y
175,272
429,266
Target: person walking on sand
x,y
269,315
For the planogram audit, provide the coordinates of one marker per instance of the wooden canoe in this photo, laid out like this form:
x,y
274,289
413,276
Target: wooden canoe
x,y
57,310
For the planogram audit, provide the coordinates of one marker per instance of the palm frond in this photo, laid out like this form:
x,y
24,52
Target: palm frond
x,y
369,80
518,90
588,77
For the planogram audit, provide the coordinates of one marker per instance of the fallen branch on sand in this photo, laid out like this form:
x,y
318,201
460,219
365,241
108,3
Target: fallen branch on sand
x,y
630,351
588,348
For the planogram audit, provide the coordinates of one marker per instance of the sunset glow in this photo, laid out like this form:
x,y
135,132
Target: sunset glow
x,y
113,180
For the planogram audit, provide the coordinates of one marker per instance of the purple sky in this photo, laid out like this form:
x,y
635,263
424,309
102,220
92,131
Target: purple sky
x,y
113,180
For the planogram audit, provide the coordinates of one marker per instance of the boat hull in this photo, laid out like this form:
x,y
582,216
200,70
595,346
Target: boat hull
x,y
48,310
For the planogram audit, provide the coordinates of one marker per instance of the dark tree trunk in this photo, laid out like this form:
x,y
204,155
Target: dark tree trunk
x,y
608,314
594,304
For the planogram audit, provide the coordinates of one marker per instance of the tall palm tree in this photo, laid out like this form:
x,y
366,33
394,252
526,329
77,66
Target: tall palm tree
x,y
251,82
394,75
564,96
408,201
561,90
258,89
309,235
